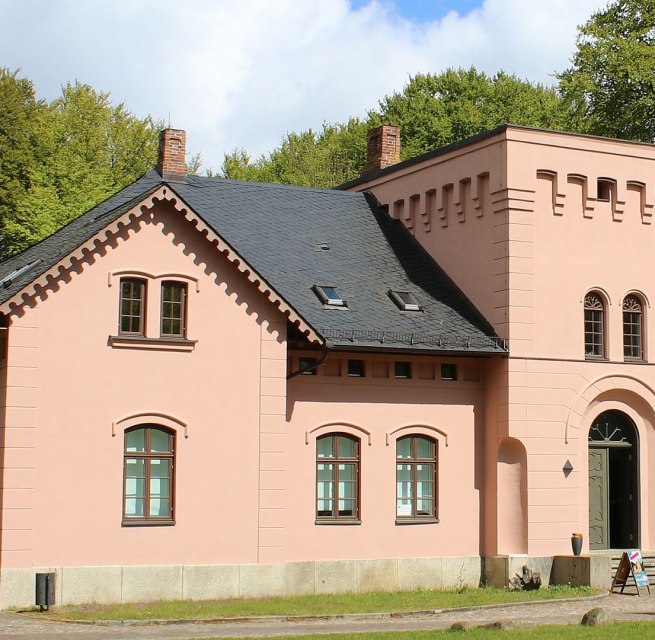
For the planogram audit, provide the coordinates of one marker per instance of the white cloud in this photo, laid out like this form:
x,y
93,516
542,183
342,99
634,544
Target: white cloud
x,y
244,72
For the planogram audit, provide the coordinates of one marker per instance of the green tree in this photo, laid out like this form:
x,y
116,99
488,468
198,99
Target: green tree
x,y
83,150
21,129
434,110
609,89
312,159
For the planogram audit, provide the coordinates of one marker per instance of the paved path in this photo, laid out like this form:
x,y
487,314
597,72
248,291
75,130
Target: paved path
x,y
621,607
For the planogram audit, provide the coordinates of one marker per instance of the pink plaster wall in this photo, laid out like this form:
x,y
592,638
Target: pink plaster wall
x,y
379,410
67,387
533,247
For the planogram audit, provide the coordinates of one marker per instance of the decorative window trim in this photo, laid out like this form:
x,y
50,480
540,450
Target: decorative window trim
x,y
342,427
418,429
147,275
149,417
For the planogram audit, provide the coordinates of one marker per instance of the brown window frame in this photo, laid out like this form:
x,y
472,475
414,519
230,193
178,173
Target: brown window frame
x,y
595,342
182,305
147,456
335,517
633,328
142,298
413,461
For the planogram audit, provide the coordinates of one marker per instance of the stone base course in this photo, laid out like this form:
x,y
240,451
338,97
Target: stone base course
x,y
77,585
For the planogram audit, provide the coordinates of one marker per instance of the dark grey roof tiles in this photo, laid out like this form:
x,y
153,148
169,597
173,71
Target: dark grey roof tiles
x,y
278,230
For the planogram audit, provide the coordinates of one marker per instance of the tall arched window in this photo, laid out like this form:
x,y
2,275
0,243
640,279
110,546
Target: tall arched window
x,y
337,478
633,325
416,478
594,326
148,457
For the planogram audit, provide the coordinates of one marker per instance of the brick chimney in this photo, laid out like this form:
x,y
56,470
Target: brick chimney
x,y
383,147
172,153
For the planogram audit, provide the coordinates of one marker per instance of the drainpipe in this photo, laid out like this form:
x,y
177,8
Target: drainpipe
x,y
325,349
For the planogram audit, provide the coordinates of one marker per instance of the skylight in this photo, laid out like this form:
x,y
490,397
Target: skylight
x,y
405,300
329,296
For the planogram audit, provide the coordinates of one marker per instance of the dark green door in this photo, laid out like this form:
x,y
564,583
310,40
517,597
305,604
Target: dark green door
x,y
598,499
613,482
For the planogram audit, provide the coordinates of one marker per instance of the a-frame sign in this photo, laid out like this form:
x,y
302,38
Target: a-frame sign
x,y
631,566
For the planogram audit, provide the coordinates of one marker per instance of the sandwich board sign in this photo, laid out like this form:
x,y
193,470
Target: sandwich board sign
x,y
631,566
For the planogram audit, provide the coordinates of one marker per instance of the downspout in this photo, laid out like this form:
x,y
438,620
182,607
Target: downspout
x,y
325,351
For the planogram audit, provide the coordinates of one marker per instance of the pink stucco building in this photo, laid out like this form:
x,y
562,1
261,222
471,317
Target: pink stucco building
x,y
427,378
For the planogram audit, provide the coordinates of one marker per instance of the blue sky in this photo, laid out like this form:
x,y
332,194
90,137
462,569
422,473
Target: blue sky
x,y
425,10
243,73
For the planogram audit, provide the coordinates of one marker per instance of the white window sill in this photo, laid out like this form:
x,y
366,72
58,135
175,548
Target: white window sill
x,y
156,344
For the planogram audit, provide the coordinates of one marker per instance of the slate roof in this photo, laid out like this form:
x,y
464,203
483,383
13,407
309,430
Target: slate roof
x,y
278,230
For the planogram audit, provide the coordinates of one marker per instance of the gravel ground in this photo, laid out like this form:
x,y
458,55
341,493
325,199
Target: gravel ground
x,y
621,607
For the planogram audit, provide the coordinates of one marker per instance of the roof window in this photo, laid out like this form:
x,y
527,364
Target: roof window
x,y
329,296
405,300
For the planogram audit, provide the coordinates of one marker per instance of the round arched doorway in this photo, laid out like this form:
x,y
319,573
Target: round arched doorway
x,y
613,482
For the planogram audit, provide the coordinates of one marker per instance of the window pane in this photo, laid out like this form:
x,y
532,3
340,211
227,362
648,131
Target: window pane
x,y
347,447
347,472
424,507
160,507
325,472
404,507
160,441
424,448
424,472
403,448
134,507
325,447
135,487
135,468
135,440
346,507
159,468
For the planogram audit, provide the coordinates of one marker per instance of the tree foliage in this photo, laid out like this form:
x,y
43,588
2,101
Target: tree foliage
x,y
312,159
57,160
610,87
434,110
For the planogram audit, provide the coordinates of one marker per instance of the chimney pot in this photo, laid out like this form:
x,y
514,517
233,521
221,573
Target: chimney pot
x,y
383,147
172,154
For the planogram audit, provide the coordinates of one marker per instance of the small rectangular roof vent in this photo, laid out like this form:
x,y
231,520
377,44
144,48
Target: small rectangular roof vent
x,y
404,300
329,296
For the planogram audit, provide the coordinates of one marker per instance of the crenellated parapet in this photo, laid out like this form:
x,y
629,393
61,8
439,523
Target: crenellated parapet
x,y
448,202
594,195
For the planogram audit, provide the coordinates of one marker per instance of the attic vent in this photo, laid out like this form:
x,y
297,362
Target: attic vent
x,y
323,246
6,282
329,296
404,300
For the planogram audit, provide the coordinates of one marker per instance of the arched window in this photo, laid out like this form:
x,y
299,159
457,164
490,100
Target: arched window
x,y
633,325
416,478
337,478
149,454
594,326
